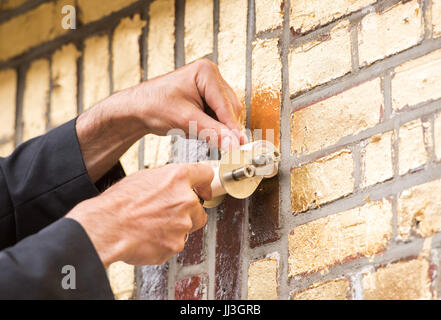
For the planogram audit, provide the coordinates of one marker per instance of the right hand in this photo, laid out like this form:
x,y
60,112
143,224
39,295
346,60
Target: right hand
x,y
144,219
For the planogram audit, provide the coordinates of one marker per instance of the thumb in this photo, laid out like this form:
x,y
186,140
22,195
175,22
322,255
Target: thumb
x,y
200,177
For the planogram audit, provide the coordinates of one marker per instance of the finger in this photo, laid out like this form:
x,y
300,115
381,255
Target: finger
x,y
211,88
215,132
200,177
237,106
199,218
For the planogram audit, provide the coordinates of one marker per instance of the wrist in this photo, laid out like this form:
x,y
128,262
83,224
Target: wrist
x,y
121,113
107,131
144,105
108,247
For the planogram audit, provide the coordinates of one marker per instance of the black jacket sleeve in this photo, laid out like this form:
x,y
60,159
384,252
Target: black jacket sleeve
x,y
35,267
39,184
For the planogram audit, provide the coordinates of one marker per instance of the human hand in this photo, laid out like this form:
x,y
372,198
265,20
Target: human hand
x,y
165,103
173,100
144,219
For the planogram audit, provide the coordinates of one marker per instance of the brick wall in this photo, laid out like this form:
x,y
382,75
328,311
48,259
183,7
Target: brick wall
x,y
352,89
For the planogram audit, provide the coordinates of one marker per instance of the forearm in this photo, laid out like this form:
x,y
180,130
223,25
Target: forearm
x,y
107,131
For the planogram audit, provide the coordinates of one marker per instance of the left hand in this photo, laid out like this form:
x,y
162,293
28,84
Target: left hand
x,y
106,131
173,100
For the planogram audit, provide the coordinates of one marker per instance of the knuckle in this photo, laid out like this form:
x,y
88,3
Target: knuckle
x,y
179,172
186,223
181,245
177,246
192,200
206,65
186,115
201,221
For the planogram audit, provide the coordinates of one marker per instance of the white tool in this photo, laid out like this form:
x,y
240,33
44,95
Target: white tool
x,y
239,172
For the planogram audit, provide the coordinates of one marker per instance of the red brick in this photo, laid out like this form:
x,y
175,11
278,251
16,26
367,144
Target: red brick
x,y
228,245
193,251
264,213
189,289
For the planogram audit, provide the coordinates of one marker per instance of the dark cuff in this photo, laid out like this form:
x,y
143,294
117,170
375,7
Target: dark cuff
x,y
47,177
60,262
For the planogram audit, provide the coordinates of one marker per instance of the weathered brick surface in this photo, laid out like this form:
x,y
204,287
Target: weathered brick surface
x,y
198,29
6,149
324,123
263,211
32,28
411,148
306,14
11,4
437,131
161,38
193,251
269,15
322,181
91,10
96,81
189,289
262,280
228,248
406,280
8,94
436,17
328,290
377,159
266,91
425,75
35,100
419,210
335,239
64,85
382,34
312,64
122,280
126,53
232,43
154,283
